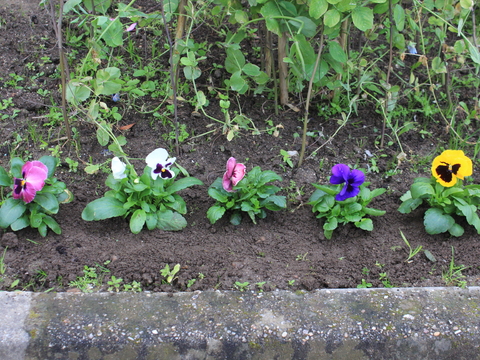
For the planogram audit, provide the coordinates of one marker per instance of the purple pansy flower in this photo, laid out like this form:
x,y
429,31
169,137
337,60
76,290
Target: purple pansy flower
x,y
160,163
235,172
34,174
341,173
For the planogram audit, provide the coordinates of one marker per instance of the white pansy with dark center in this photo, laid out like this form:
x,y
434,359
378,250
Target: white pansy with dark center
x,y
160,163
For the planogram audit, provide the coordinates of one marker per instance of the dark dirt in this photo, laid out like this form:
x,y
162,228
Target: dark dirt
x,y
285,246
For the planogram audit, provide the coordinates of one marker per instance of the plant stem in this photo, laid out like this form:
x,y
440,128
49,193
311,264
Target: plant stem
x,y
307,104
173,77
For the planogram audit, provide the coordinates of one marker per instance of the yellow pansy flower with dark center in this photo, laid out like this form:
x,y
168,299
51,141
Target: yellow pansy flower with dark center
x,y
450,165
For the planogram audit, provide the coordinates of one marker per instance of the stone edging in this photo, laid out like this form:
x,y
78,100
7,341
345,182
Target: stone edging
x,y
400,323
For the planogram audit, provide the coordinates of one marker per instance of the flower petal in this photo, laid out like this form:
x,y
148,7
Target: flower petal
x,y
227,182
238,173
157,156
35,174
356,177
230,166
28,193
118,169
339,174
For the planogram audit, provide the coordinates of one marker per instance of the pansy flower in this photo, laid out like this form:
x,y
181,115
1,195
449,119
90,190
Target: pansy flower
x,y
118,169
341,173
450,165
235,172
34,174
160,163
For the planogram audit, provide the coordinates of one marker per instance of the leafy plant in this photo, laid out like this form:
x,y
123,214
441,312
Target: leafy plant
x,y
364,285
89,281
242,286
150,200
35,197
347,203
251,194
168,274
446,195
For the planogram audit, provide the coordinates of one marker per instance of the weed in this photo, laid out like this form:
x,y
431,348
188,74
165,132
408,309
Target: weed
x,y
114,283
135,287
241,286
364,285
3,268
411,252
383,277
72,165
453,275
302,257
89,281
170,275
260,285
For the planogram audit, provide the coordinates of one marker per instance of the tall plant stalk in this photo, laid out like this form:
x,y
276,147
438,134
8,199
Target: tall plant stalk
x,y
307,104
57,25
173,77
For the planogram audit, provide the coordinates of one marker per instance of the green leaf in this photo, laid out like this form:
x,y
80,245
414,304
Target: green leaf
x,y
52,224
365,224
21,223
137,221
170,221
436,221
317,8
47,201
456,230
182,183
327,189
103,136
214,213
275,202
77,92
331,18
421,190
399,17
50,162
151,220
103,208
5,178
409,205
16,167
10,211
337,52
362,18
218,195
251,69
330,224
377,192
373,212
236,218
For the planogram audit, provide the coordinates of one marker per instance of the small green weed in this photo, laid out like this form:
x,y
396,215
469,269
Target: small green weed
x,y
453,275
170,275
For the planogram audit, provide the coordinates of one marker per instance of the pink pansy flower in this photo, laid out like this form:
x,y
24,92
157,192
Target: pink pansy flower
x,y
131,27
235,172
34,174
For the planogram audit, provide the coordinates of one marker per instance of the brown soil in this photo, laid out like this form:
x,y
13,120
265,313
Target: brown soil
x,y
286,246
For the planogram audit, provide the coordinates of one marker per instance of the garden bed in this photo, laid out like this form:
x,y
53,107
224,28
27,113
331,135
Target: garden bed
x,y
286,250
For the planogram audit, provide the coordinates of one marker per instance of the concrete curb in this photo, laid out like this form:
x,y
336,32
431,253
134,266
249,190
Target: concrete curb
x,y
400,323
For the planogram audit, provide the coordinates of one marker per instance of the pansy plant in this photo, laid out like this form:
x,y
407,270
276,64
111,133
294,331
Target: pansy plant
x,y
240,192
150,200
345,200
446,195
36,195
